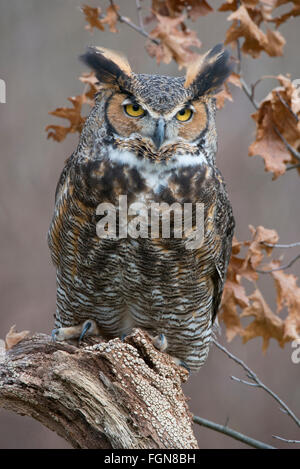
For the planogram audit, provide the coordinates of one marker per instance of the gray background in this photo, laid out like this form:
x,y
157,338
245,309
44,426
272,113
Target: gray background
x,y
40,41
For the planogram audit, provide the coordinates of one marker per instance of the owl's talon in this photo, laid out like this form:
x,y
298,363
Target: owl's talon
x,y
184,365
54,334
87,325
160,342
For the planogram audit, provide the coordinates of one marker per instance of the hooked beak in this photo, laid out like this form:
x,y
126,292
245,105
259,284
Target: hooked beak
x,y
159,133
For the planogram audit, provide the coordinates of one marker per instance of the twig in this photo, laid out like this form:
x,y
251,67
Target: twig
x,y
260,384
248,93
282,267
270,245
285,440
238,45
139,12
294,166
234,378
134,26
232,433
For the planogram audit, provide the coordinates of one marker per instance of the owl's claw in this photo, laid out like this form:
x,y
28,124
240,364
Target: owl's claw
x,y
123,336
184,365
80,331
160,342
54,334
180,362
87,329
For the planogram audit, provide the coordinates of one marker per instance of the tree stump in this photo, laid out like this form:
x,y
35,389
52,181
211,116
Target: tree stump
x,y
115,394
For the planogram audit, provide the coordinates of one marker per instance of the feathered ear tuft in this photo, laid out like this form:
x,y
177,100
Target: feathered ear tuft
x,y
207,75
111,67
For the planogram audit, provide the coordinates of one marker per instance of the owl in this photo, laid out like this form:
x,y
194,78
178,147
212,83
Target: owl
x,y
148,140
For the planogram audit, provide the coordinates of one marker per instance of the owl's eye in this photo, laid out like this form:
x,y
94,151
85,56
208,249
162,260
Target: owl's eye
x,y
184,114
134,110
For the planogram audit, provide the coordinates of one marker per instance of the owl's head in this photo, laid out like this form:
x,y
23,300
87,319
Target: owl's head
x,y
154,112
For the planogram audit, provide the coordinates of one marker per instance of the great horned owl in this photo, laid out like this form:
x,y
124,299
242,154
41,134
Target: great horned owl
x,y
152,139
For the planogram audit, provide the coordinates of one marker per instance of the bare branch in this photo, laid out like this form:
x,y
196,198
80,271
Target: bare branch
x,y
232,433
134,26
294,166
234,378
139,12
282,267
260,384
270,245
285,440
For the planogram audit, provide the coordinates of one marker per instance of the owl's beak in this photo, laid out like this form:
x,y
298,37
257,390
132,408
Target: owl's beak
x,y
159,133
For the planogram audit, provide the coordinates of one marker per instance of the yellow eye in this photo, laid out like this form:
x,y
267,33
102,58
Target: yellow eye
x,y
134,110
184,115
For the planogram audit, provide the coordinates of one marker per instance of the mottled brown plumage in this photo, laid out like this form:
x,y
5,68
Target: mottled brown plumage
x,y
157,284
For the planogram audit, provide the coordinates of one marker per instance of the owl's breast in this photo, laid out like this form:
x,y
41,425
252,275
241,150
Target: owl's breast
x,y
184,177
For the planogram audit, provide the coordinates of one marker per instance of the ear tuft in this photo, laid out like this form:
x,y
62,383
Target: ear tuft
x,y
110,66
208,73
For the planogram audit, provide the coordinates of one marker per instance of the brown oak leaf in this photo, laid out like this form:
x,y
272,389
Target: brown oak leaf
x,y
58,132
175,41
255,40
288,294
266,324
12,337
92,16
280,109
111,18
225,93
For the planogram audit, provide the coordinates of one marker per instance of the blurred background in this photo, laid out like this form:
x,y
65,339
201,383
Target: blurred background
x,y
39,46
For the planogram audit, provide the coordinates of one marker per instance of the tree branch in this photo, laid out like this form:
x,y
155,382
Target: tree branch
x,y
251,375
282,267
232,433
134,26
107,395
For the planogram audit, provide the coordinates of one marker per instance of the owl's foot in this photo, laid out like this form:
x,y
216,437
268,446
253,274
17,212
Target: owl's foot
x,y
180,362
160,342
80,331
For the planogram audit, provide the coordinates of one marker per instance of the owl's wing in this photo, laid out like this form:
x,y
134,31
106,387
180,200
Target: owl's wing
x,y
225,225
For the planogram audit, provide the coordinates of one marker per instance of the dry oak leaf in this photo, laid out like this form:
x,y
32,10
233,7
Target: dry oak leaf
x,y
173,8
256,246
295,11
175,43
234,294
58,132
256,41
288,294
225,93
233,5
280,109
92,16
12,337
92,81
111,18
194,8
265,324
94,19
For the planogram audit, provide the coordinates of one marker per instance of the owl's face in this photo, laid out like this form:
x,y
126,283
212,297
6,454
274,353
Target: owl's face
x,y
152,113
133,115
